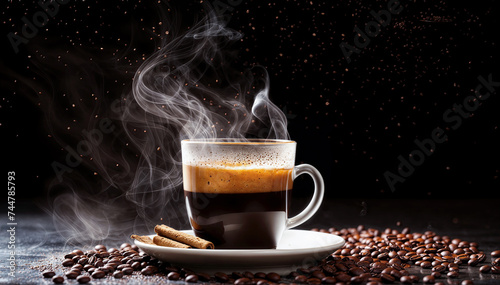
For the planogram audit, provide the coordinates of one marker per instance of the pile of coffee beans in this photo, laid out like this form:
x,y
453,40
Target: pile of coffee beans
x,y
372,256
369,256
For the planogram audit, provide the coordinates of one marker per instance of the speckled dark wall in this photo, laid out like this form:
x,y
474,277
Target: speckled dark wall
x,y
358,104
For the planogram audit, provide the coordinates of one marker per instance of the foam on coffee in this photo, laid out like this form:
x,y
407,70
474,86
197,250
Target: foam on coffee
x,y
225,167
236,179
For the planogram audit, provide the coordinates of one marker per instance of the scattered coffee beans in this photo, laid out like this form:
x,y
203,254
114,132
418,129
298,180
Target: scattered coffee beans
x,y
369,256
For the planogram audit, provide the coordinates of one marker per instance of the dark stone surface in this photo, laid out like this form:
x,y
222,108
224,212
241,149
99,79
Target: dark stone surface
x,y
39,246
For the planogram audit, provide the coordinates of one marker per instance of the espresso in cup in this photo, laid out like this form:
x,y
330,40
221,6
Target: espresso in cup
x,y
238,193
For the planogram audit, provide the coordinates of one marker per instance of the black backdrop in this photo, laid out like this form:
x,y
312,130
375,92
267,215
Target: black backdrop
x,y
352,120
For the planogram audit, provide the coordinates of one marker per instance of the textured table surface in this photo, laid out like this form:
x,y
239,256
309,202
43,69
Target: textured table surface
x,y
39,245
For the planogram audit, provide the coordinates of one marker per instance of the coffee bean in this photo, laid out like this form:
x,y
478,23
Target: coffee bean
x,y
485,268
405,280
495,269
481,256
114,259
242,281
77,252
153,268
112,250
48,274
300,279
97,274
429,279
127,270
397,266
396,273
473,262
436,274
83,279
58,279
147,271
386,271
191,278
72,274
445,253
426,264
462,257
205,277
261,275
121,266
86,267
439,268
137,258
326,280
414,278
387,278
395,261
343,277
221,277
315,281
373,283
318,274
339,266
356,271
100,247
495,262
83,261
495,254
453,274
68,262
173,276
467,282
69,256
136,265
274,277
105,269
118,274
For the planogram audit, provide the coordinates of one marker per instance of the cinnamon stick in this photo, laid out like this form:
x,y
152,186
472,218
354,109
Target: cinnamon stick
x,y
144,239
163,241
168,232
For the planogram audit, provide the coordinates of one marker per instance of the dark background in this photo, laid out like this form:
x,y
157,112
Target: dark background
x,y
351,120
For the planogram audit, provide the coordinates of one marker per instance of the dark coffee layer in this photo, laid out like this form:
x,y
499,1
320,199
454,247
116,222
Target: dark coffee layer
x,y
247,220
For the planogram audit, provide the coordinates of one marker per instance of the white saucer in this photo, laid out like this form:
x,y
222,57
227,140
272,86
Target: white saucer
x,y
297,248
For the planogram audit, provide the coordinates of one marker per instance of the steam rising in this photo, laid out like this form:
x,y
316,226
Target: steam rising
x,y
189,88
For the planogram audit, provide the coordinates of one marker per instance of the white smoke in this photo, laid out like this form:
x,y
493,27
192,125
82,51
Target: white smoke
x,y
190,88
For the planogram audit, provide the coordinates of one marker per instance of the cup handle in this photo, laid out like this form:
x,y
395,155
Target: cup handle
x,y
319,191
